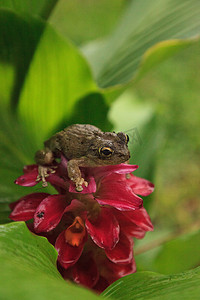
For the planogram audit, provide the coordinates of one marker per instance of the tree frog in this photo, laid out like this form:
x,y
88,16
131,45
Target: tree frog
x,y
83,145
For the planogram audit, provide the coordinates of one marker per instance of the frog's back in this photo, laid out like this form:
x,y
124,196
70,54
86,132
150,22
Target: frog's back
x,y
74,140
82,130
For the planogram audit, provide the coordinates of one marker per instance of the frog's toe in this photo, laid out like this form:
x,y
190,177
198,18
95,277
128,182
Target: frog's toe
x,y
85,183
38,178
79,188
44,184
79,184
43,173
128,176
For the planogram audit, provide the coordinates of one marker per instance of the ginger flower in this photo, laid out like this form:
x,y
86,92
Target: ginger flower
x,y
92,230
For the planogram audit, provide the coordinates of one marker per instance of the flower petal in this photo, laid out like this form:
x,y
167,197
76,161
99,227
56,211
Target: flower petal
x,y
49,213
104,230
132,230
117,194
63,163
120,270
25,207
99,172
140,185
75,205
127,226
28,179
140,218
91,188
85,271
101,285
29,168
112,271
123,251
67,254
57,181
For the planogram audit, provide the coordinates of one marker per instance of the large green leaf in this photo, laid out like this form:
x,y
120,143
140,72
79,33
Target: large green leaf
x,y
116,60
16,150
19,36
58,76
176,255
87,15
42,8
30,250
91,109
162,50
149,285
28,268
18,39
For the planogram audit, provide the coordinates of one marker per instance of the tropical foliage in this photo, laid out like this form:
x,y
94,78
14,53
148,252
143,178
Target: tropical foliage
x,y
85,62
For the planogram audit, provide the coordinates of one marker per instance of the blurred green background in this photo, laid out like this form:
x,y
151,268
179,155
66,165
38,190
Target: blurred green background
x,y
160,111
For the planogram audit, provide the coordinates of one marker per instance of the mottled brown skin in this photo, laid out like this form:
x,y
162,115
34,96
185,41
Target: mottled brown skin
x,y
83,146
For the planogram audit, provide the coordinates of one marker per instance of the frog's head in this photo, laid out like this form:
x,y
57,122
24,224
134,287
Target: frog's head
x,y
113,148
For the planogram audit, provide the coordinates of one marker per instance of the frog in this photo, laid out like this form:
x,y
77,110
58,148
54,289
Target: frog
x,y
83,145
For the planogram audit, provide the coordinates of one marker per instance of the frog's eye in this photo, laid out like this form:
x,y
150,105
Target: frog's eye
x,y
124,137
127,138
105,151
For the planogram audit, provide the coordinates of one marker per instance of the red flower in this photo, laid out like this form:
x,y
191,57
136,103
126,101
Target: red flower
x,y
92,230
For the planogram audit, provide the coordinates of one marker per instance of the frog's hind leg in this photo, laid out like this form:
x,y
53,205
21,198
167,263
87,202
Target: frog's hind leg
x,y
44,160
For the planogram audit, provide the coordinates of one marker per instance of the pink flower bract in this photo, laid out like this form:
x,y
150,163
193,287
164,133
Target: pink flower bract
x,y
92,230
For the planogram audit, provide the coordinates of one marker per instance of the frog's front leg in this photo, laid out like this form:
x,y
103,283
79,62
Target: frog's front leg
x,y
74,173
44,159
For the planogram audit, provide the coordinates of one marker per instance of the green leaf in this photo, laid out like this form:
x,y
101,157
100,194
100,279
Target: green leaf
x,y
161,51
179,254
30,250
91,109
149,285
41,8
19,37
116,60
176,255
28,268
4,213
58,77
85,15
16,150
